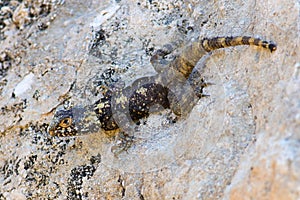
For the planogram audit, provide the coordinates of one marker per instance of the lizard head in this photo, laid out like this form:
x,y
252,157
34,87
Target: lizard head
x,y
63,124
72,122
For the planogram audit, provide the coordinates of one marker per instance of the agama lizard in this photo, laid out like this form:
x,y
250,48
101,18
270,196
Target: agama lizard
x,y
170,88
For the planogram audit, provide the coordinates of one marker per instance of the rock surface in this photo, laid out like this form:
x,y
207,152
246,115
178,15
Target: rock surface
x,y
241,142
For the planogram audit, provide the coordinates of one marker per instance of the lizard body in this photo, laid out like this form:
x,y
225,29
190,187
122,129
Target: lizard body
x,y
170,88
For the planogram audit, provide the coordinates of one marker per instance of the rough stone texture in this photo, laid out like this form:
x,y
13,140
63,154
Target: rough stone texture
x,y
242,142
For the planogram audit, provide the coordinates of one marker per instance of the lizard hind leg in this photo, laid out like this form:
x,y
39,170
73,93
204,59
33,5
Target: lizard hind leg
x,y
159,61
196,79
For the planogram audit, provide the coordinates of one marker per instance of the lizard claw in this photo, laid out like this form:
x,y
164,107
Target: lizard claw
x,y
202,95
205,84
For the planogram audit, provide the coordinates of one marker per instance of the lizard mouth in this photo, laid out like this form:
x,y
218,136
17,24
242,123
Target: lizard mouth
x,y
57,133
51,131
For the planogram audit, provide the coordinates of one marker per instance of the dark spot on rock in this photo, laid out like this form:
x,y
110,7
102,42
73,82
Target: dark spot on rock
x,y
76,178
97,43
30,162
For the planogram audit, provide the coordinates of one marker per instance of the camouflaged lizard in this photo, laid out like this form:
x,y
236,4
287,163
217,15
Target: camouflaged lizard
x,y
171,88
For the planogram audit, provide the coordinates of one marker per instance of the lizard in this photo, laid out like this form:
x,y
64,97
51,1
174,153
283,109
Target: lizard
x,y
166,89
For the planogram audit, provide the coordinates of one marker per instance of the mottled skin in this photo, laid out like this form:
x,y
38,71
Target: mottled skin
x,y
170,88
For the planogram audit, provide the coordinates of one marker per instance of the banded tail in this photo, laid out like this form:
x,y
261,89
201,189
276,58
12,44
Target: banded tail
x,y
222,42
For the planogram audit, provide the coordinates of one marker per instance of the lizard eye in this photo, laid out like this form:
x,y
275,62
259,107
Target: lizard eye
x,y
66,122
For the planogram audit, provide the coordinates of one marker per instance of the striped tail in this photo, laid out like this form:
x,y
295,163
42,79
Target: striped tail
x,y
222,42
